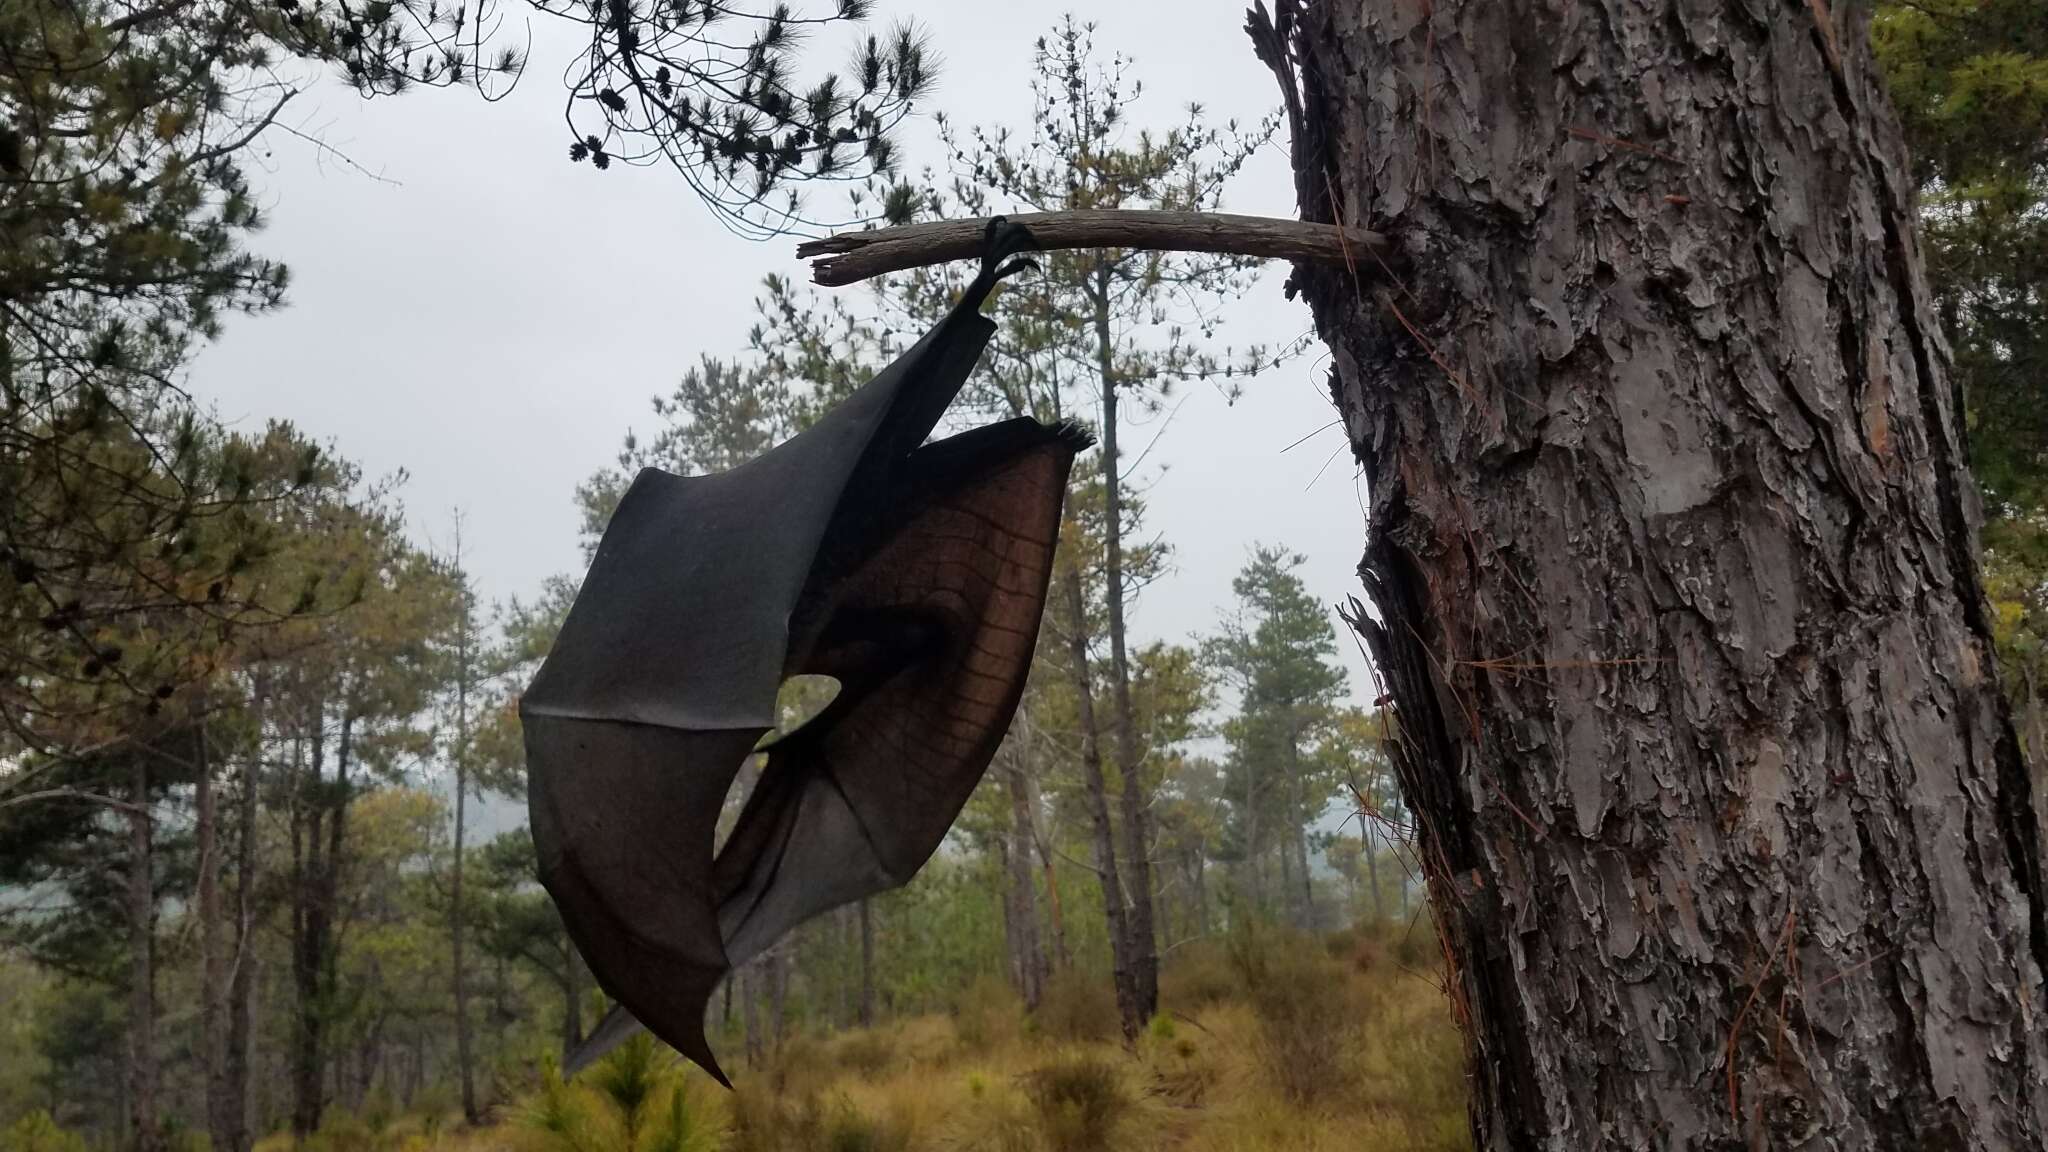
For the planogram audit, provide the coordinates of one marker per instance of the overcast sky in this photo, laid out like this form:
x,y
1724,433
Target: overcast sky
x,y
491,319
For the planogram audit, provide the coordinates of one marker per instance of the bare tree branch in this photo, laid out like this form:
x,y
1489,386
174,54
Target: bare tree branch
x,y
850,257
72,794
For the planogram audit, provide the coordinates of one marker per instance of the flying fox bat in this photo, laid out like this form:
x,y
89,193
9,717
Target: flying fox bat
x,y
913,573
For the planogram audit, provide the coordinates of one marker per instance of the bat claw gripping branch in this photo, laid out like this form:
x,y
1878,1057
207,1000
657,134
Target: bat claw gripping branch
x,y
1001,240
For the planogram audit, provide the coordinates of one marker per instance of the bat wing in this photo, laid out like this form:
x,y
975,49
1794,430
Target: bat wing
x,y
664,678
931,639
664,675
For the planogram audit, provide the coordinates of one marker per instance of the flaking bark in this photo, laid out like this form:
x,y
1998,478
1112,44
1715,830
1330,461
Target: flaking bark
x,y
1672,552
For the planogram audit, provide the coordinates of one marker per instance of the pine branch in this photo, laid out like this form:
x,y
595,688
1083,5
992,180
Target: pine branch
x,y
850,257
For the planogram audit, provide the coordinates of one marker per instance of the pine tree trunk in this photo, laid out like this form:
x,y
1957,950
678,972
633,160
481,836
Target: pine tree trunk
x,y
1127,1004
2034,729
1142,948
572,1001
463,1060
777,963
1251,868
750,1012
867,965
213,947
1673,546
318,831
241,983
1302,898
1372,877
142,1069
1027,956
1055,916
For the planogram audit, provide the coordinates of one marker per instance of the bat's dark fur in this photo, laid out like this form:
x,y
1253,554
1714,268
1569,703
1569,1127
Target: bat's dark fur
x,y
913,573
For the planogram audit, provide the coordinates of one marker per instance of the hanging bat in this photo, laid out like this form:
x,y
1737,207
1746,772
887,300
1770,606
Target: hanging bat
x,y
913,573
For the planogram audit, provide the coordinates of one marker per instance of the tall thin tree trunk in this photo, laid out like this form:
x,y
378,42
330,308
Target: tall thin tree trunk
x,y
1302,899
1661,407
1027,956
241,982
463,1058
1129,1011
1283,847
142,1070
1251,868
572,1001
318,833
867,966
214,960
750,1011
1041,842
1143,947
1372,878
777,964
846,944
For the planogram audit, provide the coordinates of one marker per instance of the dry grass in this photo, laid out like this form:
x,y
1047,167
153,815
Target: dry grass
x,y
1266,1042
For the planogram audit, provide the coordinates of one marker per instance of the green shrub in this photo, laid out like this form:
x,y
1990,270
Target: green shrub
x,y
557,1117
679,1128
1076,1009
626,1079
343,1131
36,1132
1081,1101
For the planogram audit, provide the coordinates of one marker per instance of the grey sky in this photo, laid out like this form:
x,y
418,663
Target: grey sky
x,y
495,318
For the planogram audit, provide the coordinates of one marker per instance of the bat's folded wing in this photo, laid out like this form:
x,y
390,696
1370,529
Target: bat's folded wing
x,y
931,638
623,816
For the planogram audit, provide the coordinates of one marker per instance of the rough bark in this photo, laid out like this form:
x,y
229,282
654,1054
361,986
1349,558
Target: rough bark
x,y
1143,945
2034,728
1104,840
1673,553
142,1068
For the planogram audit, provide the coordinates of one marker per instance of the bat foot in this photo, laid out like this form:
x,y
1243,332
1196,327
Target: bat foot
x,y
1001,240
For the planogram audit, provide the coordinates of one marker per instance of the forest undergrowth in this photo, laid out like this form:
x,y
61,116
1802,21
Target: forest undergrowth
x,y
1265,1040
